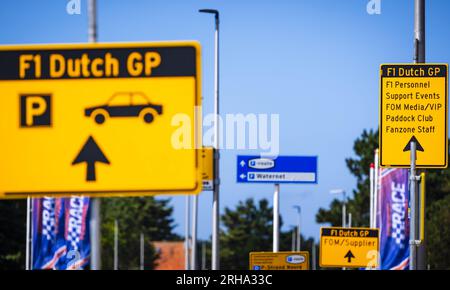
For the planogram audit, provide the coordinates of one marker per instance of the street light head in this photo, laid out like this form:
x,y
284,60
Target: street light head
x,y
211,11
298,208
337,191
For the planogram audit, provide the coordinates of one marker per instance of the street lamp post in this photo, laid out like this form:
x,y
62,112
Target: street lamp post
x,y
344,204
299,219
293,238
215,263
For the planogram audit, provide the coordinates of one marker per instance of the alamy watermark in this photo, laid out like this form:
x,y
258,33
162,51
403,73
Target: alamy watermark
x,y
374,7
73,7
259,132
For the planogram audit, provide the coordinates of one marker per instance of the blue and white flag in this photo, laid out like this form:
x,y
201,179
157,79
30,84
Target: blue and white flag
x,y
48,247
61,233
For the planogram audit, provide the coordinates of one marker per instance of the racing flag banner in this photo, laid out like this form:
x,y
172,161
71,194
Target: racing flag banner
x,y
393,219
61,233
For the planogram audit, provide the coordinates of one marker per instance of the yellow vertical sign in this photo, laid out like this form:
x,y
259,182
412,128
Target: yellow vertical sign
x,y
208,168
422,204
413,107
100,119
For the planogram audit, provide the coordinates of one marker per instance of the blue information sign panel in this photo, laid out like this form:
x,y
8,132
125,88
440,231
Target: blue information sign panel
x,y
283,169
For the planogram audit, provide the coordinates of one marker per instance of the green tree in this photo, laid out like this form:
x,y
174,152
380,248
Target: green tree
x,y
305,244
12,234
437,227
438,234
137,215
359,203
248,228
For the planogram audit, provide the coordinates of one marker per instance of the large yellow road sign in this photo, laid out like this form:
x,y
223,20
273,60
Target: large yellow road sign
x,y
349,247
413,106
100,119
279,261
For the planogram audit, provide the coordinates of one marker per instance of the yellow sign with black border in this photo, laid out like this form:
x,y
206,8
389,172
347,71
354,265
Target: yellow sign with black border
x,y
413,107
279,260
208,168
349,247
118,119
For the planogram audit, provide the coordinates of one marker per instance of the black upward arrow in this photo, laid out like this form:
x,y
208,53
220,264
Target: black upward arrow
x,y
349,256
408,146
90,153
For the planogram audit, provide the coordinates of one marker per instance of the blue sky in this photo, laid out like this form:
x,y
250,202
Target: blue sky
x,y
313,62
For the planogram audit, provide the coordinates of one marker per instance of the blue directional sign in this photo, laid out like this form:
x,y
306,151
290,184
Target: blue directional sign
x,y
283,169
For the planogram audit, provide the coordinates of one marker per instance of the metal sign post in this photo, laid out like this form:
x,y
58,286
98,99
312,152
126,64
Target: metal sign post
x,y
141,266
419,46
413,213
215,263
95,222
116,245
313,255
187,232
194,233
216,207
276,218
419,57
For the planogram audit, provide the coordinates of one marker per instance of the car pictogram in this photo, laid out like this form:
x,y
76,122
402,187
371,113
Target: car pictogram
x,y
130,104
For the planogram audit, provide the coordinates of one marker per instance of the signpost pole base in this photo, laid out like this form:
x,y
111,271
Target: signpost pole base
x,y
194,233
187,232
95,234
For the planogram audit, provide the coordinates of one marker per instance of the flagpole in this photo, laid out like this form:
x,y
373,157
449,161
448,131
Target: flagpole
x,y
31,233
375,197
372,172
28,235
375,189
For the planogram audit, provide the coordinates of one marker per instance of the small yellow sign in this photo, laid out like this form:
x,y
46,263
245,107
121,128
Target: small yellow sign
x,y
279,261
100,119
349,247
413,107
208,168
